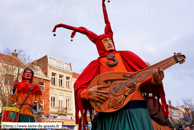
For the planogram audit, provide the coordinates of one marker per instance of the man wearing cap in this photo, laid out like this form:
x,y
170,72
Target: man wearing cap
x,y
19,92
133,116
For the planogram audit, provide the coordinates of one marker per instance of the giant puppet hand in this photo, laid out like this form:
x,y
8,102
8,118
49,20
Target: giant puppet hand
x,y
96,94
15,84
32,104
158,76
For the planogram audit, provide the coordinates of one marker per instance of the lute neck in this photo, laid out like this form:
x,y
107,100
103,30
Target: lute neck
x,y
147,73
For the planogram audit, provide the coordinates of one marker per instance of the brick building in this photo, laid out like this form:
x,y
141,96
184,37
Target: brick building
x,y
60,90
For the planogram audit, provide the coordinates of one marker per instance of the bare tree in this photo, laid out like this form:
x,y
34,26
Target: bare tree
x,y
189,105
10,62
22,56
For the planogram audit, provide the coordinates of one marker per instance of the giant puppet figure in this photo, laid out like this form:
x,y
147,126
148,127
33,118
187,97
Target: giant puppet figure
x,y
133,116
19,94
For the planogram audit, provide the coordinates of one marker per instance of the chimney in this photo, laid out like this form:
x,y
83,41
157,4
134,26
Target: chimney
x,y
14,54
169,103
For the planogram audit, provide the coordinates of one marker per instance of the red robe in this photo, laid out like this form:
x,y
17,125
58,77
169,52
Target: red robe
x,y
132,63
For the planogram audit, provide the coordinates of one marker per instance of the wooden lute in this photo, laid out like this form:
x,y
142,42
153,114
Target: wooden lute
x,y
122,85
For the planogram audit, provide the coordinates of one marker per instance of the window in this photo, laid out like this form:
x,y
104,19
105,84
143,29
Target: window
x,y
67,67
61,80
53,78
42,105
60,101
59,64
8,79
41,84
52,101
67,82
67,103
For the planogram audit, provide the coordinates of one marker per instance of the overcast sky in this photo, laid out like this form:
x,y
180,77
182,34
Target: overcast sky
x,y
153,29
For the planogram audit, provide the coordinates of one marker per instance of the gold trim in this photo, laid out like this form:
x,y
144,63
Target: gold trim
x,y
11,109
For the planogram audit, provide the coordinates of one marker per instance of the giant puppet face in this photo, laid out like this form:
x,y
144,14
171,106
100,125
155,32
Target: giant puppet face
x,y
28,75
108,44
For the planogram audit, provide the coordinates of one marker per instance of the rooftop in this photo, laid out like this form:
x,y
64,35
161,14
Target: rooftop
x,y
8,59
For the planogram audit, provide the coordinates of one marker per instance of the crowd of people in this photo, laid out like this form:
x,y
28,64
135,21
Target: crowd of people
x,y
184,127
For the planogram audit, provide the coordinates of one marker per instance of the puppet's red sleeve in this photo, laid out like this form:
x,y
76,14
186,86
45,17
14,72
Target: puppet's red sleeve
x,y
84,94
82,83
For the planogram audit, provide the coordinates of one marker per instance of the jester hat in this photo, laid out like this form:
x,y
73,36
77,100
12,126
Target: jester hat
x,y
97,40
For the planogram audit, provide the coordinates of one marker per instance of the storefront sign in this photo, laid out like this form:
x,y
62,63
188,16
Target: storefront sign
x,y
50,116
187,116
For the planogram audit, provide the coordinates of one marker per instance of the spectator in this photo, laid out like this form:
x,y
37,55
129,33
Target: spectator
x,y
95,121
188,127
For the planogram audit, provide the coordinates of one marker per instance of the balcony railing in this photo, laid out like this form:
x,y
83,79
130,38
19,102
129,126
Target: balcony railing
x,y
62,110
